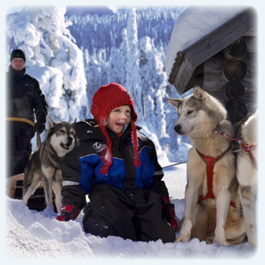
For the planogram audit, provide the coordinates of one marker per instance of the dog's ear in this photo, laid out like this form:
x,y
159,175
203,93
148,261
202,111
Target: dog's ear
x,y
50,123
198,93
74,122
175,102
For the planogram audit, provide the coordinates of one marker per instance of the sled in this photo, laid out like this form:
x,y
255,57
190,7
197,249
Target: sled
x,y
11,184
14,190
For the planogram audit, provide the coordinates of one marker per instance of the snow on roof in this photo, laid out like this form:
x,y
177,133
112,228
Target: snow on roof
x,y
194,23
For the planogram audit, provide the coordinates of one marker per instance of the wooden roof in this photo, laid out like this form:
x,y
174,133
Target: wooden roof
x,y
188,62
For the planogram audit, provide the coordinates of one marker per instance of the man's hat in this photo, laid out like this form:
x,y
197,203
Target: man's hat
x,y
17,54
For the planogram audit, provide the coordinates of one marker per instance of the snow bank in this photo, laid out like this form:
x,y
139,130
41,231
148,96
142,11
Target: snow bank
x,y
31,234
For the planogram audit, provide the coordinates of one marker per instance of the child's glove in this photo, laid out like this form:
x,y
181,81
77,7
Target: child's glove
x,y
168,212
69,212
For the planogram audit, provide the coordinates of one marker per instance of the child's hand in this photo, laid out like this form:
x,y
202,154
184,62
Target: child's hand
x,y
69,212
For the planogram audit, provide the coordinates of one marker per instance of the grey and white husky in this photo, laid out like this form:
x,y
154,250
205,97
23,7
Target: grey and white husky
x,y
212,203
44,165
247,175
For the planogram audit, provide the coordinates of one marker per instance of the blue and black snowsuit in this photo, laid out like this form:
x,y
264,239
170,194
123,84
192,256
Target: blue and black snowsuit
x,y
127,201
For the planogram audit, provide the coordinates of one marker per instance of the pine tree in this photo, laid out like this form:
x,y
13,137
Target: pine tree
x,y
132,64
48,45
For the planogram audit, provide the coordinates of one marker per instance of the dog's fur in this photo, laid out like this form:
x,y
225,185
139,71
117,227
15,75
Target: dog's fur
x,y
44,165
247,177
211,219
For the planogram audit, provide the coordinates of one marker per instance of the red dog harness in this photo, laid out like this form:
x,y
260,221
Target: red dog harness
x,y
244,147
210,163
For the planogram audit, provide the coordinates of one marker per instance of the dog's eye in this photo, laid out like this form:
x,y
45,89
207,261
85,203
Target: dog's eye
x,y
189,112
61,131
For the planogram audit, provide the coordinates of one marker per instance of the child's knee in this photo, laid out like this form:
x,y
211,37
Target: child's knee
x,y
96,226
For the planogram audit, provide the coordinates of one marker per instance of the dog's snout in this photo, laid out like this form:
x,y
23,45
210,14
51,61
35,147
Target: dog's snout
x,y
177,128
70,140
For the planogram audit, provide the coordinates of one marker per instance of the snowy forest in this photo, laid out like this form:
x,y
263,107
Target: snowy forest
x,y
72,51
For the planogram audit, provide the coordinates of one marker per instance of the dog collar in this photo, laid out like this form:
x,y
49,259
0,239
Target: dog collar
x,y
244,146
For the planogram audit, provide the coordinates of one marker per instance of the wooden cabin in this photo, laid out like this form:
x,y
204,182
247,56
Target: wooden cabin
x,y
223,63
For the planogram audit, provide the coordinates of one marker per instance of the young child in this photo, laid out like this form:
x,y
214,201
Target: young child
x,y
117,166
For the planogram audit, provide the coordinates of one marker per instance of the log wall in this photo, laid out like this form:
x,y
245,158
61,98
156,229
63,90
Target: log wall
x,y
242,72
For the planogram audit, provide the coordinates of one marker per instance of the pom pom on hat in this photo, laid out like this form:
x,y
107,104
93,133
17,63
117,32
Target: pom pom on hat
x,y
17,54
107,98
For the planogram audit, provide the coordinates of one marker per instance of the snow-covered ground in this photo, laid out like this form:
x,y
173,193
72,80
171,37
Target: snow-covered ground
x,y
31,234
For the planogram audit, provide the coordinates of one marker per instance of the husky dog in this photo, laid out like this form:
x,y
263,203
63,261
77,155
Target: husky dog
x,y
247,176
44,165
212,203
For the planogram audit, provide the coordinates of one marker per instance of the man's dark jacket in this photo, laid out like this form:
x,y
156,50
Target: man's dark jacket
x,y
25,101
25,97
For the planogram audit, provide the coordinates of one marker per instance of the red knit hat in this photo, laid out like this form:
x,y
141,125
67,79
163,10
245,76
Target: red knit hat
x,y
107,98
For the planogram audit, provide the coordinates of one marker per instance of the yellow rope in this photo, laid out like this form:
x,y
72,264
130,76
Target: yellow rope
x,y
38,139
20,119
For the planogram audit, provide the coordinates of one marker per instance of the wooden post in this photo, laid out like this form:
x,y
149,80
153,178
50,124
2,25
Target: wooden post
x,y
233,71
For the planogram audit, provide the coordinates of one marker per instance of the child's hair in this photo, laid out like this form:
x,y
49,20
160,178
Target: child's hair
x,y
107,98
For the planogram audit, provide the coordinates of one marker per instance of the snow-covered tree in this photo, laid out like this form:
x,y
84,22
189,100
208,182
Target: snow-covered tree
x,y
118,60
132,64
54,58
153,83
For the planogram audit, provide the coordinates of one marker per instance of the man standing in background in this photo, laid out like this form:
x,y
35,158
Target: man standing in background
x,y
26,112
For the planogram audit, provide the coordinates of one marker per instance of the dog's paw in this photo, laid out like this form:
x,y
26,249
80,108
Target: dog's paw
x,y
183,238
221,242
207,239
252,240
252,243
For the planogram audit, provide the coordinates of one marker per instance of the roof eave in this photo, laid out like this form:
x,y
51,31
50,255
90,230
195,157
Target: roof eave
x,y
193,56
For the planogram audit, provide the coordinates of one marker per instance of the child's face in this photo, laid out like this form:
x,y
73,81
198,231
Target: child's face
x,y
118,118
